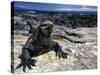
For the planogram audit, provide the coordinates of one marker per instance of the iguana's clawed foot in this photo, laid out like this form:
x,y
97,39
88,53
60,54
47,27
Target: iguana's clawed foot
x,y
61,54
26,62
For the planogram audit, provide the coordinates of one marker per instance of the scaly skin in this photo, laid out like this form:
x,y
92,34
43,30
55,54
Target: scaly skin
x,y
38,44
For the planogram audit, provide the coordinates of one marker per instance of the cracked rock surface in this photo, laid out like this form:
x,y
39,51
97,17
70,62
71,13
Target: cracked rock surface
x,y
83,56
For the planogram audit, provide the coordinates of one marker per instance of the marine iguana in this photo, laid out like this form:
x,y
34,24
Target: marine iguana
x,y
38,43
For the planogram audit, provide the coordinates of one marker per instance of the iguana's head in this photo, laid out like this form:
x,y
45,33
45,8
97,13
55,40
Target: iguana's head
x,y
46,28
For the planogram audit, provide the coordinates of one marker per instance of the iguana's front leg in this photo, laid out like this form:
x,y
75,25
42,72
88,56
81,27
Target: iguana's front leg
x,y
58,50
26,60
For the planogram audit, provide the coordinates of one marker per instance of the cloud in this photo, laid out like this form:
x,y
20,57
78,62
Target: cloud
x,y
86,8
21,6
83,8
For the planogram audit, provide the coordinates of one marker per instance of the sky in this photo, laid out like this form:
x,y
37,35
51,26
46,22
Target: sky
x,y
18,5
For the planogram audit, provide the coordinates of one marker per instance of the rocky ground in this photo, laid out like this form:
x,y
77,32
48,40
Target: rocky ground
x,y
82,57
